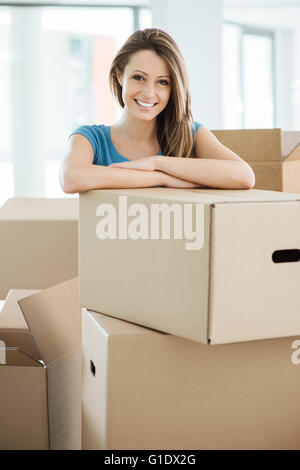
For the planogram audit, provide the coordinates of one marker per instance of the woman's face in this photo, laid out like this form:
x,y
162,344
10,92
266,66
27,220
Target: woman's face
x,y
146,85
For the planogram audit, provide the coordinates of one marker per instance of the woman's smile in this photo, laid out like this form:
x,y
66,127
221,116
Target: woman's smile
x,y
145,105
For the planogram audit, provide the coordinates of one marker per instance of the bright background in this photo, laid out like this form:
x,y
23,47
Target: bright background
x,y
54,60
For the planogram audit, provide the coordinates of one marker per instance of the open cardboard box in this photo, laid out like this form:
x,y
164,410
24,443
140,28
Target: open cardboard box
x,y
23,390
239,282
51,334
54,319
38,242
273,154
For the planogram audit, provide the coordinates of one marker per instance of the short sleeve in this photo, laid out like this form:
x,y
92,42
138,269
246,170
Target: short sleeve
x,y
197,126
90,133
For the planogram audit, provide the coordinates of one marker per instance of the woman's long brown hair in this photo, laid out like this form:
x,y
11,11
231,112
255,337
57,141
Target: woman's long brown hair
x,y
175,124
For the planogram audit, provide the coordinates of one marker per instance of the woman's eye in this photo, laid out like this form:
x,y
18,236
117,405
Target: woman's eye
x,y
139,78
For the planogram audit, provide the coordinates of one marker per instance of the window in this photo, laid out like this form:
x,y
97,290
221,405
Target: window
x,y
6,168
54,64
248,85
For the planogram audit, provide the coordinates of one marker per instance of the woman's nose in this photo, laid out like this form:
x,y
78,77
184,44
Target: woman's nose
x,y
149,89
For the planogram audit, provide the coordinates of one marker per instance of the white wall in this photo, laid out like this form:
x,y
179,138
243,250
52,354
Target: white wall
x,y
282,17
284,42
196,26
296,81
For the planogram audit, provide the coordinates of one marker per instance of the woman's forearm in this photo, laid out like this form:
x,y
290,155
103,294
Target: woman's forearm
x,y
225,174
84,178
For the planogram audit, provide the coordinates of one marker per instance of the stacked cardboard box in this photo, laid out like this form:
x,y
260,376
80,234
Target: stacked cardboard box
x,y
231,275
230,282
147,390
142,388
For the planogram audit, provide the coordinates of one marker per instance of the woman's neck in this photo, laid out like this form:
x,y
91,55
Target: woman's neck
x,y
136,131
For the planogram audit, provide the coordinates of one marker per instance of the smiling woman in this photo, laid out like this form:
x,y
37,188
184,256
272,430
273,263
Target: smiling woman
x,y
149,79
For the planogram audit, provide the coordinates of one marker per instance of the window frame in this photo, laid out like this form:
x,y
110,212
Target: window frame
x,y
255,31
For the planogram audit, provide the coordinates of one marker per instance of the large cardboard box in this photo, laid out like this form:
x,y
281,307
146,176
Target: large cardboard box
x,y
38,242
54,319
147,390
23,385
274,155
231,275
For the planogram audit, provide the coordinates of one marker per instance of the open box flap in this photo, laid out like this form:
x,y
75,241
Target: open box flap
x,y
11,316
14,331
252,145
54,319
290,145
294,155
18,357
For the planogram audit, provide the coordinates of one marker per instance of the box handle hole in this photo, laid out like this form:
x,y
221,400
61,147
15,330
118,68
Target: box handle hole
x,y
93,368
286,256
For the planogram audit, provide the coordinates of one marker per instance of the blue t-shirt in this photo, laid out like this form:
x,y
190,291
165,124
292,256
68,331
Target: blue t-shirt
x,y
105,152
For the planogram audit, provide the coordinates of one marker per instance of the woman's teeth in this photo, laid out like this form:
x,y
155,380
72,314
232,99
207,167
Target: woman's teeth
x,y
145,105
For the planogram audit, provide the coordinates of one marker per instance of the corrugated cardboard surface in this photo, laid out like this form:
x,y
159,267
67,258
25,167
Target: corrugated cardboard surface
x,y
268,175
155,391
54,318
23,391
251,297
11,315
38,243
143,281
261,149
290,175
23,406
253,145
27,208
159,284
13,328
267,151
290,142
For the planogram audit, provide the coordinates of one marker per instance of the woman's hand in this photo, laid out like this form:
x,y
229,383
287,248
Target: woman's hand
x,y
144,163
149,164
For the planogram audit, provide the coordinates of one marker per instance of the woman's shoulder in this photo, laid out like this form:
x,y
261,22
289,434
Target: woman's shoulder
x,y
90,130
97,134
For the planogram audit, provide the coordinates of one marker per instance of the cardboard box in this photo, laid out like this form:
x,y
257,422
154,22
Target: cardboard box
x,y
231,288
23,390
274,155
38,242
146,390
54,320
